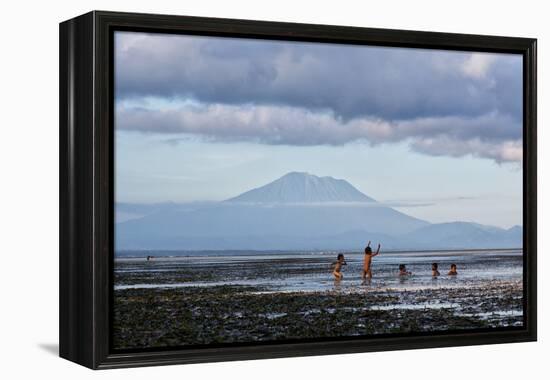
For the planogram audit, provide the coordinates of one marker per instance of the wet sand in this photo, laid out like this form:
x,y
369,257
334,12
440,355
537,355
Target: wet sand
x,y
193,301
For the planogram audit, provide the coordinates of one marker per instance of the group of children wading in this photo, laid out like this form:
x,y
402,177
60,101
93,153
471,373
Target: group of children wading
x,y
366,273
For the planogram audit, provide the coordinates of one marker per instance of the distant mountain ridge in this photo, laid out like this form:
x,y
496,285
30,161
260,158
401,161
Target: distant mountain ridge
x,y
296,211
464,234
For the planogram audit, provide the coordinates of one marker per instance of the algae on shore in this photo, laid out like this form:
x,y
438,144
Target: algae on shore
x,y
227,314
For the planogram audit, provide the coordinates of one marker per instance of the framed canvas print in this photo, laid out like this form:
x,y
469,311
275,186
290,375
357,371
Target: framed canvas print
x,y
237,189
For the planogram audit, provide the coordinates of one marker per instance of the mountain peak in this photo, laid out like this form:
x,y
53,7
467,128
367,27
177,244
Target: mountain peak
x,y
300,175
302,187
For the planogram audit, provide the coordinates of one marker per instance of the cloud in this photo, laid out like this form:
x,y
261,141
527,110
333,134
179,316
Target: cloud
x,y
421,202
331,204
505,151
491,136
477,65
351,81
442,103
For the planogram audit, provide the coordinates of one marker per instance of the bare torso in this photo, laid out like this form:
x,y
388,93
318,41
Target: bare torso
x,y
367,261
338,266
337,269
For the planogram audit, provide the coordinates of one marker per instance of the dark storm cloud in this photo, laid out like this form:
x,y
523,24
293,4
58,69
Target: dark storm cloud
x,y
351,81
318,94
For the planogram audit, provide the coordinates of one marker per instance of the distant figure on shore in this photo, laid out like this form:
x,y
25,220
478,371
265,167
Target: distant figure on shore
x,y
367,263
435,272
453,271
337,267
149,258
403,270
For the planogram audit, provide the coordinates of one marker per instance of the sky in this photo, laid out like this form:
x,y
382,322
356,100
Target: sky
x,y
436,134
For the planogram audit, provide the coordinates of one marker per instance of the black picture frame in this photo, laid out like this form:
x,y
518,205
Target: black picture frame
x,y
86,184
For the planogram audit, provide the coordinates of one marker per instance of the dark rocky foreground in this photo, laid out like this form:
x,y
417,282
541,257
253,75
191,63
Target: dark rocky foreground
x,y
161,317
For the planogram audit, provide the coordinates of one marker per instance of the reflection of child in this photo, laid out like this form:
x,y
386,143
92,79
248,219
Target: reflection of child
x,y
403,270
435,272
368,261
337,265
453,271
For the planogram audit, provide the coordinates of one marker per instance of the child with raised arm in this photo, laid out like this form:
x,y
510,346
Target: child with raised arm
x,y
367,261
337,267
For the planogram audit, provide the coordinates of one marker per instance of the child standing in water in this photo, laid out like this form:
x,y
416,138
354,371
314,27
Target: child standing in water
x,y
367,262
403,270
337,267
453,271
435,272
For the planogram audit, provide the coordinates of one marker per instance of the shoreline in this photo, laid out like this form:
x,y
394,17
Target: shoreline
x,y
179,302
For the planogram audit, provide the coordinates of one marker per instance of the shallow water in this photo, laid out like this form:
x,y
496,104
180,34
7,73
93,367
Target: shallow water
x,y
310,271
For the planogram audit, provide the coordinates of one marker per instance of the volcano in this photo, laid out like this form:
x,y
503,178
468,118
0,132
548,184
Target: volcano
x,y
298,211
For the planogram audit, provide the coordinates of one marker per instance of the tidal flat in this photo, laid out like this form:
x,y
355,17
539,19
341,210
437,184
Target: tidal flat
x,y
187,301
